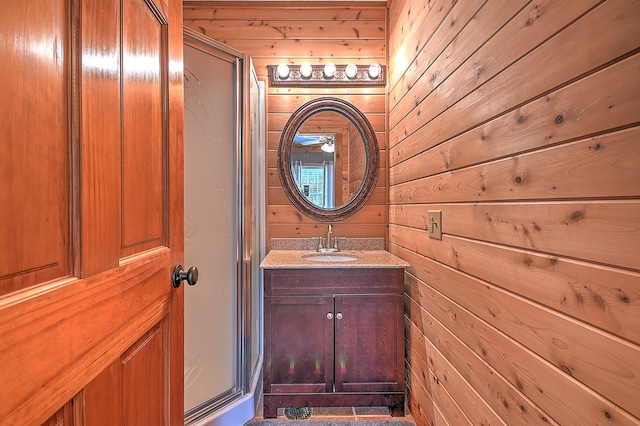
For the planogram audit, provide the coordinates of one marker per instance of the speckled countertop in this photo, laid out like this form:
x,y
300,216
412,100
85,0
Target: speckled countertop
x,y
295,259
312,243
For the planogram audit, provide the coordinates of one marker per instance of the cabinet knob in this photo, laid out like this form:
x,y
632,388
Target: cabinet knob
x,y
330,316
339,315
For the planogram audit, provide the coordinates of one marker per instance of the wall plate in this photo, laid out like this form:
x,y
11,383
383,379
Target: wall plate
x,y
434,224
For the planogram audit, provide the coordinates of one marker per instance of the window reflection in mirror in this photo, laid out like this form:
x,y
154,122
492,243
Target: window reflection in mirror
x,y
312,163
328,160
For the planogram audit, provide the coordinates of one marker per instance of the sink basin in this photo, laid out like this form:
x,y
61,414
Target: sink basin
x,y
330,257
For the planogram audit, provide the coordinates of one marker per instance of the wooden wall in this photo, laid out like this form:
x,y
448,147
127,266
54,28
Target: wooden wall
x,y
519,121
314,32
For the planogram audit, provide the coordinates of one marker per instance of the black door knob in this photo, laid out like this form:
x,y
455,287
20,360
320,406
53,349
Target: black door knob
x,y
178,275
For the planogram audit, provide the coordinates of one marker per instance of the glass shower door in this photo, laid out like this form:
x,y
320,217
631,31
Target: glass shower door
x,y
212,193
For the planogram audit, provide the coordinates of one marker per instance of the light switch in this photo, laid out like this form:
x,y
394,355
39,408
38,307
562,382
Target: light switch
x,y
434,224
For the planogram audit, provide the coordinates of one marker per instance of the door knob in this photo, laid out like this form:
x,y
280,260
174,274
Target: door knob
x,y
178,275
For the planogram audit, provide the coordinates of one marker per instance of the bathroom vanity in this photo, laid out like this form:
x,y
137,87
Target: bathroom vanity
x,y
333,330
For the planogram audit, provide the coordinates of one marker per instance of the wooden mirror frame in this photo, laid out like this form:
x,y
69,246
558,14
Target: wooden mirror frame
x,y
369,139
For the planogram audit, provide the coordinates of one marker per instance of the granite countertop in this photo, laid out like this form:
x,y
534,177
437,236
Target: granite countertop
x,y
294,259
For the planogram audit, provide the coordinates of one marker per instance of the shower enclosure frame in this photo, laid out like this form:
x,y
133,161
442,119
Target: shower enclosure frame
x,y
239,402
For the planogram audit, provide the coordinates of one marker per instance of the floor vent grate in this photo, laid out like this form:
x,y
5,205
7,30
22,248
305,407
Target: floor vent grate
x,y
298,413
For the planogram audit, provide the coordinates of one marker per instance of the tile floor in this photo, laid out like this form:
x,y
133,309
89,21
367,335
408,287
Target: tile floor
x,y
350,413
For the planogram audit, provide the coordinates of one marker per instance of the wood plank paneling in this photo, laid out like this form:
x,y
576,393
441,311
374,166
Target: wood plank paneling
x,y
272,10
573,348
536,175
552,228
592,294
314,32
277,121
518,120
560,397
501,397
270,30
605,34
440,34
597,103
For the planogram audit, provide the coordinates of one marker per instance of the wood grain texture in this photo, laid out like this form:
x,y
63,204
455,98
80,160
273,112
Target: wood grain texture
x,y
101,141
546,385
347,346
314,32
580,45
53,350
35,197
604,297
500,114
595,104
270,10
59,335
144,105
281,29
538,175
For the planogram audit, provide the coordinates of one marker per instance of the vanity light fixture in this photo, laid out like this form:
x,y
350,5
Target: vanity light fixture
x,y
327,75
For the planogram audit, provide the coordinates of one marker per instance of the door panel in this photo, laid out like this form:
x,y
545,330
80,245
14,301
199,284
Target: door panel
x,y
68,415
144,390
35,242
88,283
144,46
132,390
100,161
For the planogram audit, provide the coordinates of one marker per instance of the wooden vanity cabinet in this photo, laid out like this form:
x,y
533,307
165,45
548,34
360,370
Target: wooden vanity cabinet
x,y
334,337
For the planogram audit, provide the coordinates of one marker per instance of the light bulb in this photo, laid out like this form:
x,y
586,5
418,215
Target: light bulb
x,y
283,71
306,70
374,71
329,70
351,70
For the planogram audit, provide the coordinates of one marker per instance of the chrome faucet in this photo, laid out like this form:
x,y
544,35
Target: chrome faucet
x,y
329,232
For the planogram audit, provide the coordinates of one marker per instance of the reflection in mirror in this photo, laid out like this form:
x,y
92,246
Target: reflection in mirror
x,y
328,159
313,168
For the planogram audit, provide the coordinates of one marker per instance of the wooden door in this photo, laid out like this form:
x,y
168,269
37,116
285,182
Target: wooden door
x,y
91,212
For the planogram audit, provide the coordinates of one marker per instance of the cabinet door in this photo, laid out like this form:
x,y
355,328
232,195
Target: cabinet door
x,y
298,344
369,343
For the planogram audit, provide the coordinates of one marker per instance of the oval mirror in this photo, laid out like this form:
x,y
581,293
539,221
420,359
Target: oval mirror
x,y
328,159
